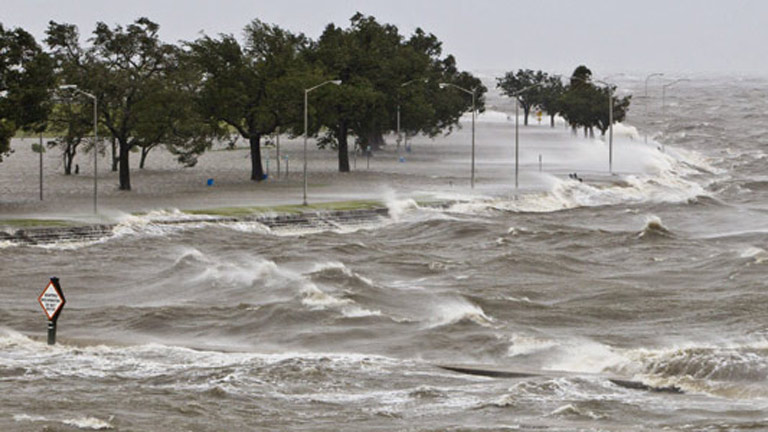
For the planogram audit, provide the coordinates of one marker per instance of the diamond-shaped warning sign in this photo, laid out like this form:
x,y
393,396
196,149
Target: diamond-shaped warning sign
x,y
52,300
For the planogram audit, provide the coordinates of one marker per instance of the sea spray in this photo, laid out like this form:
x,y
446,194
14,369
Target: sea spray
x,y
397,207
654,228
447,311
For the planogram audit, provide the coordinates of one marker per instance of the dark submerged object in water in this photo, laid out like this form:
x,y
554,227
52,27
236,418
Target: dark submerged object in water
x,y
503,373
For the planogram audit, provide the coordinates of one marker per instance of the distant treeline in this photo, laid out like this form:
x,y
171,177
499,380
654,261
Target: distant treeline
x,y
186,96
581,102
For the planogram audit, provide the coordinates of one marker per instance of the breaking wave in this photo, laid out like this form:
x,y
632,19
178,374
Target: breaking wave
x,y
654,228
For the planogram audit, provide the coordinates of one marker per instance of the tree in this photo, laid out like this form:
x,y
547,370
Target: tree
x,y
602,110
361,58
427,109
170,116
123,68
71,122
253,88
586,105
26,77
373,61
513,82
551,94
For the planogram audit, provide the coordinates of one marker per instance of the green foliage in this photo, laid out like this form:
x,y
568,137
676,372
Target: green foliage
x,y
551,94
71,121
373,62
150,93
35,223
26,76
130,71
527,86
586,105
254,88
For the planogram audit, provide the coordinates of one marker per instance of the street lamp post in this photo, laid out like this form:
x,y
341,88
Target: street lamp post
x,y
472,93
306,128
40,150
663,99
516,95
74,88
664,93
610,118
657,74
399,136
610,123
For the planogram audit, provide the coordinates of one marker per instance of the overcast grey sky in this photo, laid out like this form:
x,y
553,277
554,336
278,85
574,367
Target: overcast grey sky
x,y
671,36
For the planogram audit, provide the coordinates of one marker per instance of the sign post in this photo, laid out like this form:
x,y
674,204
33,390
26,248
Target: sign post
x,y
52,301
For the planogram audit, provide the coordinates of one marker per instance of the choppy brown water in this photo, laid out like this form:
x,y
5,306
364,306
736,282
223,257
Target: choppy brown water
x,y
207,327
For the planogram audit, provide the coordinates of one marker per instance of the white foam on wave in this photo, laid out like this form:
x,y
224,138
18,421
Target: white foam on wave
x,y
317,299
238,272
243,272
758,254
86,362
88,423
583,355
733,370
28,418
526,344
326,226
642,173
453,310
398,207
82,422
11,339
248,227
337,265
564,194
653,225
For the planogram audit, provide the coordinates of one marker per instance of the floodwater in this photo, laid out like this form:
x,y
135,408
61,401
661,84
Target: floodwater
x,y
655,274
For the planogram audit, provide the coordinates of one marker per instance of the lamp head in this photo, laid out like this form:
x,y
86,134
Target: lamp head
x,y
68,87
442,85
337,82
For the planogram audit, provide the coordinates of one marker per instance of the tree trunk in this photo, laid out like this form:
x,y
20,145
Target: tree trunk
x,y
526,111
375,140
144,153
552,120
125,175
115,159
343,147
257,173
68,157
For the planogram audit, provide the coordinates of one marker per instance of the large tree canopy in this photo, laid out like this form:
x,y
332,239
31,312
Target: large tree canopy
x,y
527,85
381,70
151,93
587,105
252,88
136,80
26,78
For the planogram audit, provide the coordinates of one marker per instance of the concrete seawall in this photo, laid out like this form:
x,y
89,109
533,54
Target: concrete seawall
x,y
320,219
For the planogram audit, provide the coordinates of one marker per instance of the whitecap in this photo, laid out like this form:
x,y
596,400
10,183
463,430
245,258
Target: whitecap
x,y
88,423
454,310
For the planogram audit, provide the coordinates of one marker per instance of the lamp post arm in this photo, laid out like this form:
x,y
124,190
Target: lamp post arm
x,y
337,82
470,92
